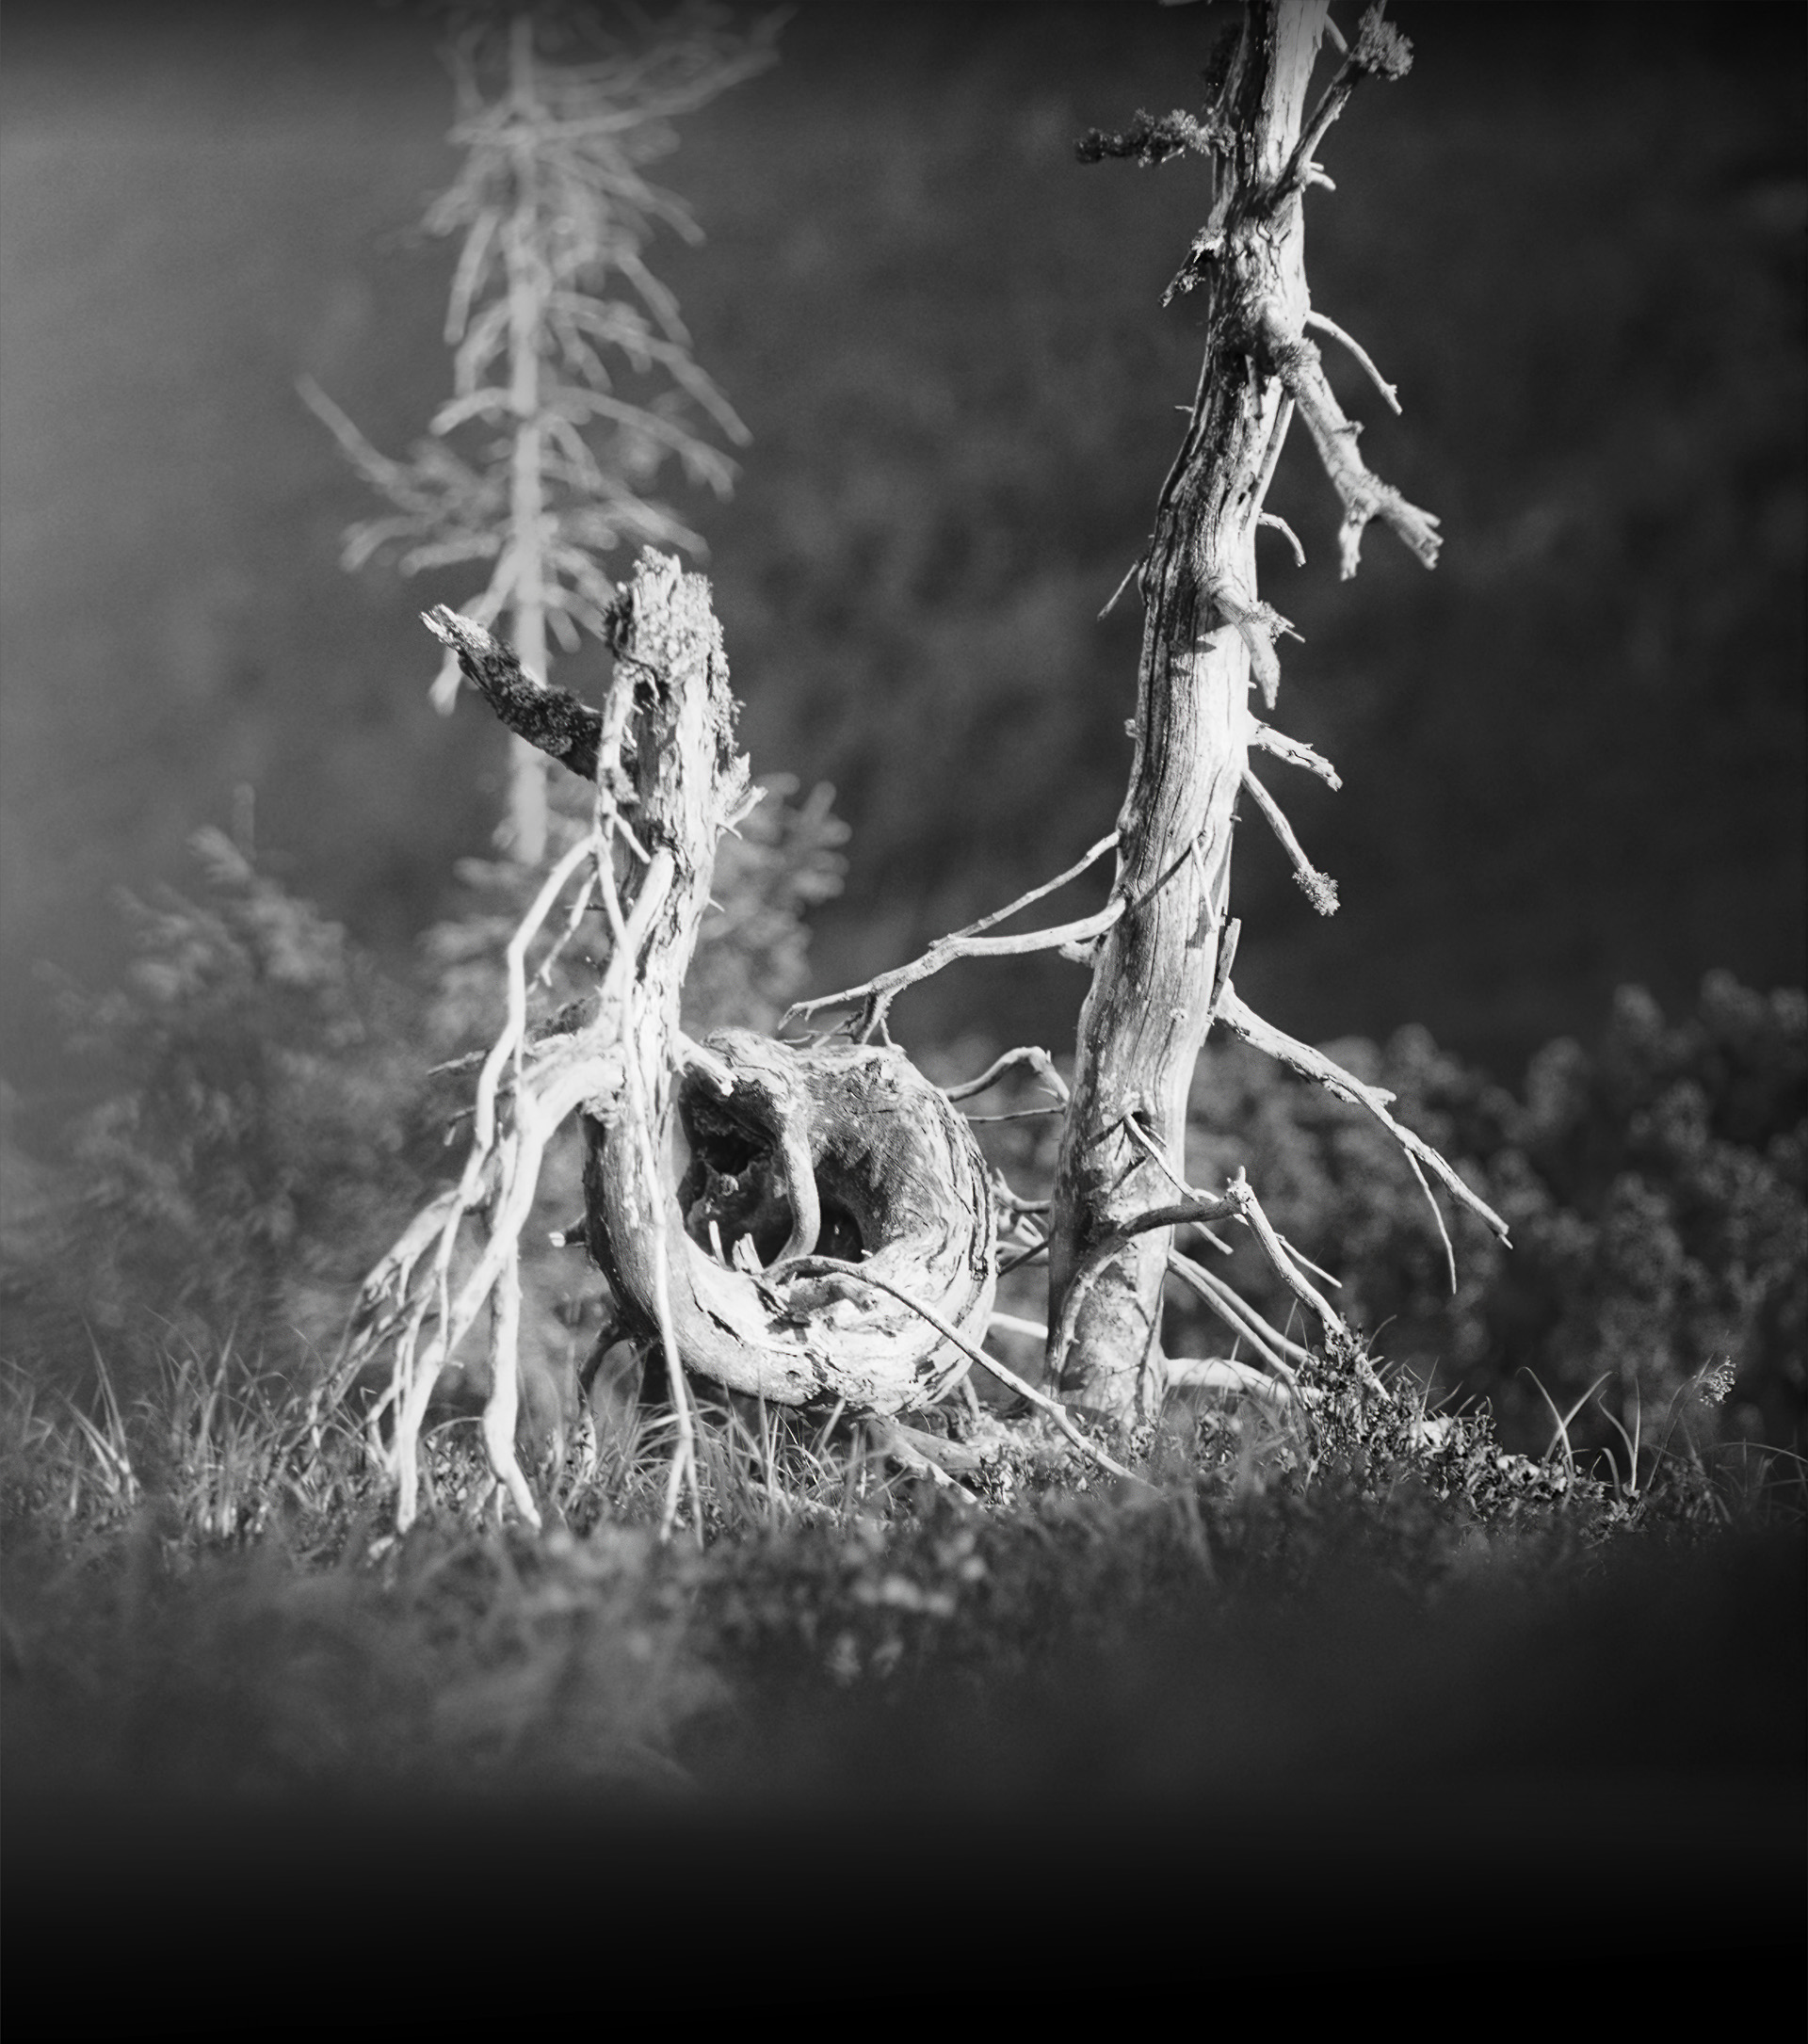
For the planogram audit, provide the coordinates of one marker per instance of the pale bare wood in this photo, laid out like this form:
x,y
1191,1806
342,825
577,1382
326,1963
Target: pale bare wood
x,y
1320,888
875,996
1162,972
1242,1021
1204,636
1293,752
662,750
864,1274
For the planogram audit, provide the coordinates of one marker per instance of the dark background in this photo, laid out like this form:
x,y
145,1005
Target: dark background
x,y
1572,236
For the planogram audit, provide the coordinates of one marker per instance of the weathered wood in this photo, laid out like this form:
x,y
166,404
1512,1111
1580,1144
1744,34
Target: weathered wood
x,y
1205,632
1163,970
841,1149
790,1148
553,720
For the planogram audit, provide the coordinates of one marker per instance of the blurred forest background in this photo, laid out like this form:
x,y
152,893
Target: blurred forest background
x,y
1573,755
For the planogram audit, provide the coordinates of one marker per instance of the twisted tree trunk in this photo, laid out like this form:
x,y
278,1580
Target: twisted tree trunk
x,y
832,1237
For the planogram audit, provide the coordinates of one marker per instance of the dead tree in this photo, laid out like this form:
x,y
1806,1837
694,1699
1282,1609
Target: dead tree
x,y
833,1238
831,1241
1162,974
1161,950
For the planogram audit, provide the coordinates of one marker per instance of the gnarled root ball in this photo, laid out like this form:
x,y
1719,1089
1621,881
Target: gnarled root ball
x,y
836,1150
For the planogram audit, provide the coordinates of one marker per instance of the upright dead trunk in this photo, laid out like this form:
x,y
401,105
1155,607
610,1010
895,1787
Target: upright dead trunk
x,y
1206,634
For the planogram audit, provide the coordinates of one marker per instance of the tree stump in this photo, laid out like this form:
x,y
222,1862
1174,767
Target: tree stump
x,y
830,1151
835,1149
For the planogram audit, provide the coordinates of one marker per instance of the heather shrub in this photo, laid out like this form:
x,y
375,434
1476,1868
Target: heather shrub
x,y
1654,1191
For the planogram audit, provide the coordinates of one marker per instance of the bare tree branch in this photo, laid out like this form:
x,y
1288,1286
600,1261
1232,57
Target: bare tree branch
x,y
1242,1021
1320,888
875,996
1294,752
1390,394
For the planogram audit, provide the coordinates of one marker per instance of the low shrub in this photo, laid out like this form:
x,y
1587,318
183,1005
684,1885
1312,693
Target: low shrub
x,y
274,1106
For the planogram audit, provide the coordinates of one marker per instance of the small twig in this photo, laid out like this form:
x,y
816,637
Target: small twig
x,y
1320,888
1241,1195
1437,1215
1091,857
1276,1348
1293,752
1039,1062
877,995
1153,1150
1129,576
1140,1135
1301,1258
573,921
1389,392
1281,525
1087,1271
810,1265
